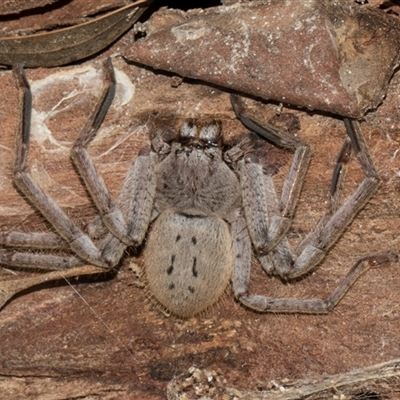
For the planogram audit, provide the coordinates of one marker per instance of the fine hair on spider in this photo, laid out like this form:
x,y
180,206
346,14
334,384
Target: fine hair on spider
x,y
204,209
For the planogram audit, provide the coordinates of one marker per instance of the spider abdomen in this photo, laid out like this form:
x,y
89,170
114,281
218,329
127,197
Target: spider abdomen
x,y
188,261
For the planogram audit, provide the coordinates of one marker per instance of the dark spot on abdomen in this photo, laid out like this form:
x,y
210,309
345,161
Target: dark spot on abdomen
x,y
194,270
171,267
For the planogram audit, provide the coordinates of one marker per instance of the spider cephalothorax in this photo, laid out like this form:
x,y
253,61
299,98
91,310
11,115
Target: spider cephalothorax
x,y
192,178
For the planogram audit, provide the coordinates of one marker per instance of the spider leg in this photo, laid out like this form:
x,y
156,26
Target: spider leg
x,y
39,241
335,194
77,240
136,204
260,197
136,199
109,212
241,278
280,257
315,245
135,196
266,234
339,174
241,246
35,240
261,207
270,230
32,240
38,261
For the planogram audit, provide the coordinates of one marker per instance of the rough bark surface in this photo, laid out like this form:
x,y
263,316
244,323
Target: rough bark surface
x,y
332,56
102,338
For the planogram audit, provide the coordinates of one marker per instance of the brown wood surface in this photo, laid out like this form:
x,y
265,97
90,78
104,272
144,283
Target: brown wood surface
x,y
102,338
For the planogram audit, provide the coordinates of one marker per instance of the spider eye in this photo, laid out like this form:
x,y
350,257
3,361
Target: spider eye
x,y
208,144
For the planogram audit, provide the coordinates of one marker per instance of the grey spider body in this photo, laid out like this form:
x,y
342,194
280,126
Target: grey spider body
x,y
206,210
188,258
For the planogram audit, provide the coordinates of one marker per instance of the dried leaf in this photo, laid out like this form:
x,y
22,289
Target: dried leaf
x,y
16,6
70,44
10,288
